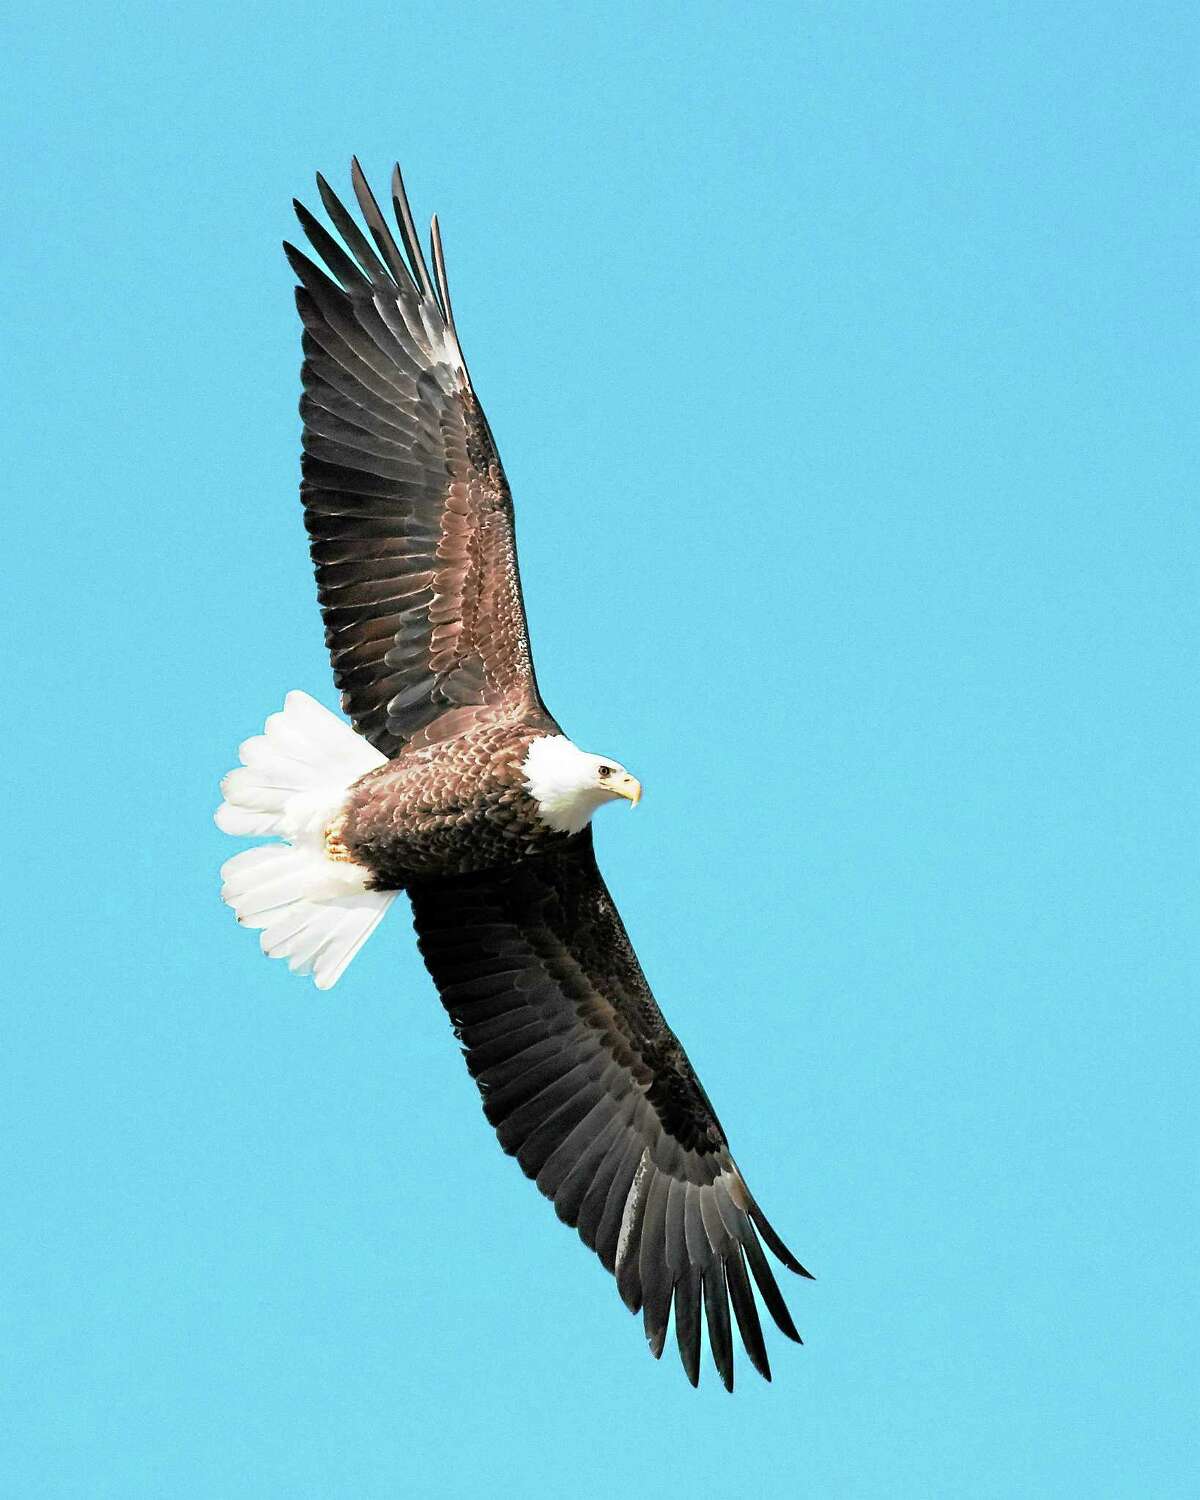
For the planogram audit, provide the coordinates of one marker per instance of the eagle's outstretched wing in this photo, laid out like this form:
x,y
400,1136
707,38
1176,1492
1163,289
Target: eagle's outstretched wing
x,y
406,504
589,1088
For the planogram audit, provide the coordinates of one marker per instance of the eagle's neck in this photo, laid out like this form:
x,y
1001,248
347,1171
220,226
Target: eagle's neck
x,y
561,779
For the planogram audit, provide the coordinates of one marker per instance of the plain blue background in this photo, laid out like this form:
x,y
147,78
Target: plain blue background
x,y
842,361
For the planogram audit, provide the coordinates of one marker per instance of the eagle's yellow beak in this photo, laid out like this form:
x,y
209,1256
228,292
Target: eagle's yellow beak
x,y
627,786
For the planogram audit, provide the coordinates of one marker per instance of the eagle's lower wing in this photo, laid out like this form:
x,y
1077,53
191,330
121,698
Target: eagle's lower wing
x,y
406,504
589,1088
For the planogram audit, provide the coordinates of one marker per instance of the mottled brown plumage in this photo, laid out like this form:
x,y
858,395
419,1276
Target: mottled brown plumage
x,y
411,527
452,808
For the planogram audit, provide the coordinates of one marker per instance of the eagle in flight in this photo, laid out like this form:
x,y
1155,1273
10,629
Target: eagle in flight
x,y
456,785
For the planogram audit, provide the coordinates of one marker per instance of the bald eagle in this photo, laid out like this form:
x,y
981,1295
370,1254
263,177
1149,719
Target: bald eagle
x,y
456,785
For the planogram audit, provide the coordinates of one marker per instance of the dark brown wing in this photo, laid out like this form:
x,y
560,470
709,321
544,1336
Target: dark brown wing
x,y
589,1089
406,504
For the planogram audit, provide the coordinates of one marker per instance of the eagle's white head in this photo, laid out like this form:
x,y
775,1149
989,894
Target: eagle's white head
x,y
568,784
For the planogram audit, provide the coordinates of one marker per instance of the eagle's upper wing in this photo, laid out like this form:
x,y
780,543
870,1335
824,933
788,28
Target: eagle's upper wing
x,y
406,504
589,1088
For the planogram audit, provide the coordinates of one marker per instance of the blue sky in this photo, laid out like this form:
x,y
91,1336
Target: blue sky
x,y
842,359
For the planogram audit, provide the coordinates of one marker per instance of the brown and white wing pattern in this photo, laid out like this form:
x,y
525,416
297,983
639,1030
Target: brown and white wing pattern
x,y
407,507
590,1090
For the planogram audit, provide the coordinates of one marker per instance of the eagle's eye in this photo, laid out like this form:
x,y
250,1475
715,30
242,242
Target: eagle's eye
x,y
605,772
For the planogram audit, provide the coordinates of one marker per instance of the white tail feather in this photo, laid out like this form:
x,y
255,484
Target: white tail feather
x,y
314,911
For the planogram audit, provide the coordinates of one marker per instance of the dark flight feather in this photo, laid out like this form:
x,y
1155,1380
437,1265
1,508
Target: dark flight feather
x,y
380,233
716,1312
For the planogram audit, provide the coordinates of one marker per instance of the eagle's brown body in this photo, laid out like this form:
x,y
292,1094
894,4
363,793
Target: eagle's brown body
x,y
448,809
410,522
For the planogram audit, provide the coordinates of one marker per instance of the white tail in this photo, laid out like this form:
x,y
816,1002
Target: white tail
x,y
313,910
